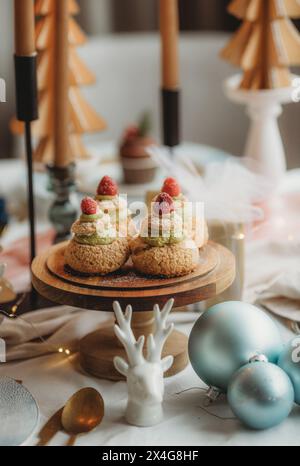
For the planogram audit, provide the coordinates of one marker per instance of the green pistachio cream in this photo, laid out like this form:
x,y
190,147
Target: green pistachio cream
x,y
94,240
90,218
161,240
105,198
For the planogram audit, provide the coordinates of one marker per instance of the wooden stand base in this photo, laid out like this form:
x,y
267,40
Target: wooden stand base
x,y
98,349
215,274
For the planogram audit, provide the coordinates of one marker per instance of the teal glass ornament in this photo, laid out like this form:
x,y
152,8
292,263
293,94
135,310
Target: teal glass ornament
x,y
289,361
261,395
226,337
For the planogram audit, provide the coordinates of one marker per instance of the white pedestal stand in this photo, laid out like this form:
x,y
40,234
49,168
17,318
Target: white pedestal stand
x,y
264,144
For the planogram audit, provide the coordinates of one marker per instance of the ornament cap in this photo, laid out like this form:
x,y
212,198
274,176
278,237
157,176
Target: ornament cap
x,y
212,395
258,358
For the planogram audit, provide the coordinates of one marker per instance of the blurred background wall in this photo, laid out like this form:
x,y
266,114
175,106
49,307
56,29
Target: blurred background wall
x,y
100,16
108,18
105,17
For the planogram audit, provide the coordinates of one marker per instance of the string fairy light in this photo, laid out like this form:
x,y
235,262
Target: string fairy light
x,y
12,315
206,400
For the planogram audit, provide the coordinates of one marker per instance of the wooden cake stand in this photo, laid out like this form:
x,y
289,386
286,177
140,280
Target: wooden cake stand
x,y
55,282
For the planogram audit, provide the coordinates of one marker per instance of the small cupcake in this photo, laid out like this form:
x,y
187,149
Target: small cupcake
x,y
196,227
138,166
164,247
96,247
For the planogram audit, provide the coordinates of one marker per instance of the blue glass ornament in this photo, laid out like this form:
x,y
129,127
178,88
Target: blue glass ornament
x,y
261,395
3,215
289,361
226,337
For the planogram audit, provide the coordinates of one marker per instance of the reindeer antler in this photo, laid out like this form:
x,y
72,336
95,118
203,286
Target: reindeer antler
x,y
156,343
124,333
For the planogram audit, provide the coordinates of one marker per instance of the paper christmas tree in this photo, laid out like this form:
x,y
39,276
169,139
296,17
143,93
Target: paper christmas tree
x,y
266,44
83,118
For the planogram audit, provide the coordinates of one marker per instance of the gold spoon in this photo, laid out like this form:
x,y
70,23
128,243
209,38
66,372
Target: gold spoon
x,y
83,412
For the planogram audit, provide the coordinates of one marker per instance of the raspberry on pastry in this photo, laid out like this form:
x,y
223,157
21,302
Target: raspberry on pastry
x,y
97,246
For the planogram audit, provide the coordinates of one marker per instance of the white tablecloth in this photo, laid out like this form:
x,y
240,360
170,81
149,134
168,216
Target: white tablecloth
x,y
53,379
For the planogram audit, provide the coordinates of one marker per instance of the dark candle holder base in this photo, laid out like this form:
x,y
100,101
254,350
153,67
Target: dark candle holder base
x,y
63,212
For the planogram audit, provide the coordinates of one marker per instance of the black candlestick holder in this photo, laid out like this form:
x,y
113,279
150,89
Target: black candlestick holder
x,y
63,212
171,117
27,111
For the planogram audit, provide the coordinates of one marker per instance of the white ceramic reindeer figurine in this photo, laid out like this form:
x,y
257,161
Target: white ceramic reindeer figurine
x,y
145,375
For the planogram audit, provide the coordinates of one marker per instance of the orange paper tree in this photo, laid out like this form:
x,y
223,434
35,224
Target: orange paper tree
x,y
83,118
266,44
